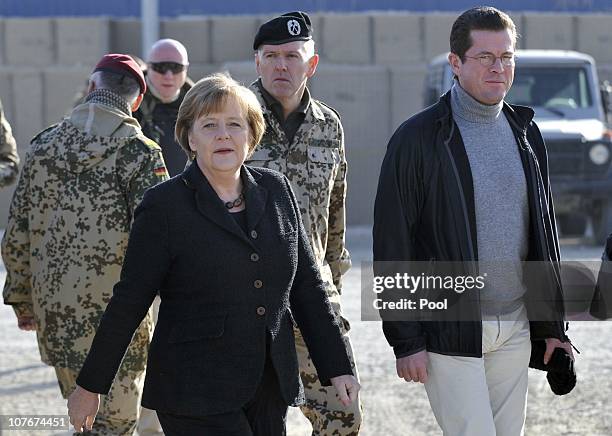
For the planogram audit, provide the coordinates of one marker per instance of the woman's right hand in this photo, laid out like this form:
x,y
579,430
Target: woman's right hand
x,y
82,408
347,388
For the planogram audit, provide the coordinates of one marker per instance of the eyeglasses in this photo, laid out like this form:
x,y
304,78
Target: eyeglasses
x,y
489,59
162,67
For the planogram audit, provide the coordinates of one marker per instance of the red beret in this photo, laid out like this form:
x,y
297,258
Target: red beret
x,y
122,64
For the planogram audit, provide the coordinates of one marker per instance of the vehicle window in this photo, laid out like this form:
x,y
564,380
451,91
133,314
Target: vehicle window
x,y
564,88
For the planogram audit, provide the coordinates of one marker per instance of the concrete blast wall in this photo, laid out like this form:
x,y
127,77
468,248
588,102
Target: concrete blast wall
x,y
372,68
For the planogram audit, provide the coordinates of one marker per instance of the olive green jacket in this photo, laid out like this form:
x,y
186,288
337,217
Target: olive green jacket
x,y
315,164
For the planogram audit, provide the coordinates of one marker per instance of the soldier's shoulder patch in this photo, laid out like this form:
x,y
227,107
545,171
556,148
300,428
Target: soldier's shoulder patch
x,y
326,106
161,171
147,142
42,133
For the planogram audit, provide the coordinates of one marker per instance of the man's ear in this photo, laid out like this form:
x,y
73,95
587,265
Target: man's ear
x,y
455,63
91,86
256,55
312,65
136,104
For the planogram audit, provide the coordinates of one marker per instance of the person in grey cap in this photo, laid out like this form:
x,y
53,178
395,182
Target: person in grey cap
x,y
304,140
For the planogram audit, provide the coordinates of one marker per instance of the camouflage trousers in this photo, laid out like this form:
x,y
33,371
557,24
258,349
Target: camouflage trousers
x,y
148,423
323,409
118,412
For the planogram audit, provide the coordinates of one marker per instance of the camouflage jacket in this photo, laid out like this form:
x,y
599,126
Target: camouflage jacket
x,y
9,160
68,227
315,164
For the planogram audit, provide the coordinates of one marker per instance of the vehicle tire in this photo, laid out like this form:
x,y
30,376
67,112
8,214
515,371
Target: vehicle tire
x,y
572,224
602,222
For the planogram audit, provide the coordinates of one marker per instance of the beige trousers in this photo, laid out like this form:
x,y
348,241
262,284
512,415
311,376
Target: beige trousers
x,y
484,396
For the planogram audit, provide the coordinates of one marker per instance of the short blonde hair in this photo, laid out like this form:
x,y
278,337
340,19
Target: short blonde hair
x,y
210,95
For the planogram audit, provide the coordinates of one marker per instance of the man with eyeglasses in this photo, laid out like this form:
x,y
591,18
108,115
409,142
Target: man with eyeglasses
x,y
466,180
168,83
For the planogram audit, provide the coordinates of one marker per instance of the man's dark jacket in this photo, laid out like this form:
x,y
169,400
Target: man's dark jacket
x,y
223,293
425,211
157,120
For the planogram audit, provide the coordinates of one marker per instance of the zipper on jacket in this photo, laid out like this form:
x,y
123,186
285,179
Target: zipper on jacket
x,y
531,158
461,194
534,174
468,230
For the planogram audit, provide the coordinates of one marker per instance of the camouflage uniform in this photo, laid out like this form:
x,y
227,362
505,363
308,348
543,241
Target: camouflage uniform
x,y
66,237
315,164
9,160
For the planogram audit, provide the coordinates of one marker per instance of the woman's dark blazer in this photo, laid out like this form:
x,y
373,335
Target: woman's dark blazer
x,y
222,293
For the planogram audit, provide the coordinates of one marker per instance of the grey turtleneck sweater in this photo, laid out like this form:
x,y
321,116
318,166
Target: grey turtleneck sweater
x,y
500,197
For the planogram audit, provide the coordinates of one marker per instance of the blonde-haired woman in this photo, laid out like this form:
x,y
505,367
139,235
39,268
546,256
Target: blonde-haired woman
x,y
225,247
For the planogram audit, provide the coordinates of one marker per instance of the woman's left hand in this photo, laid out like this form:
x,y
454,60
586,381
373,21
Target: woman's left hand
x,y
347,388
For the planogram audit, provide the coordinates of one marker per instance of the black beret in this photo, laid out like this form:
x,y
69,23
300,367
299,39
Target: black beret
x,y
292,26
561,373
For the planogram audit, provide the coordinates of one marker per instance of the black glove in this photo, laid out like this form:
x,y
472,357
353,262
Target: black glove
x,y
561,374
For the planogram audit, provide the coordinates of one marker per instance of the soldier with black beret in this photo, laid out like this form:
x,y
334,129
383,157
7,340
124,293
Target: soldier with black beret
x,y
304,140
292,26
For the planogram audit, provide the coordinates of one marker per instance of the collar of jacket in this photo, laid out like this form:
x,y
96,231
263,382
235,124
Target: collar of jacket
x,y
109,98
519,117
313,108
210,205
277,108
99,119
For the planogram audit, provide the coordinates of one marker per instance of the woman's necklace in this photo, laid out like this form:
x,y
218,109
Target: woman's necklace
x,y
235,203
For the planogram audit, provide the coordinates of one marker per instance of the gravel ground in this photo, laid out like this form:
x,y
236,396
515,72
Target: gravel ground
x,y
392,406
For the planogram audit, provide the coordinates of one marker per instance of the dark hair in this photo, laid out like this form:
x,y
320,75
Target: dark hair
x,y
480,18
122,84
